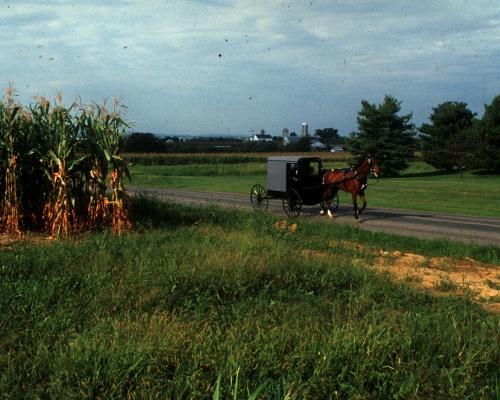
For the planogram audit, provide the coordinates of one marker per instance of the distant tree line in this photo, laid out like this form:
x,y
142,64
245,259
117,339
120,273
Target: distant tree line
x,y
139,142
453,139
329,135
144,142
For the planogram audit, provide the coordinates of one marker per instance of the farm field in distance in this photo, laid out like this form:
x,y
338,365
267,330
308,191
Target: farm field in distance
x,y
197,295
418,188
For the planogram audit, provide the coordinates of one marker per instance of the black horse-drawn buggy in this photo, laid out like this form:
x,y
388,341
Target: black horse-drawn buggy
x,y
296,181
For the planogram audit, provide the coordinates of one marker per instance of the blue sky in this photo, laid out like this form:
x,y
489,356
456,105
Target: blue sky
x,y
231,67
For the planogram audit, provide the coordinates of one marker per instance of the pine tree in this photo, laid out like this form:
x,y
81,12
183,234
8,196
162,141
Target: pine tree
x,y
384,134
490,137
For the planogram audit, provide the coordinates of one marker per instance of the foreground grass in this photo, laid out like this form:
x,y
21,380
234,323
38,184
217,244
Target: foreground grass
x,y
419,188
199,293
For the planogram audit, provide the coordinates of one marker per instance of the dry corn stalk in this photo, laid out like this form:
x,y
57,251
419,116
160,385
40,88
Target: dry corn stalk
x,y
57,209
10,204
97,209
120,217
9,124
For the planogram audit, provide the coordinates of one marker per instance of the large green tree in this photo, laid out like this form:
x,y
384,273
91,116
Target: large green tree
x,y
327,133
384,134
450,127
489,133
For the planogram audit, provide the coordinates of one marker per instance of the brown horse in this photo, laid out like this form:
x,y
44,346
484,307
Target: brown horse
x,y
353,180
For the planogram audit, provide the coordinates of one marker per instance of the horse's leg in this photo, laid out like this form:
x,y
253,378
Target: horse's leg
x,y
363,199
324,202
329,202
355,204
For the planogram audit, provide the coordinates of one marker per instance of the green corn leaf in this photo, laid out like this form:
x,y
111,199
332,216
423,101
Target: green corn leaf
x,y
107,155
15,111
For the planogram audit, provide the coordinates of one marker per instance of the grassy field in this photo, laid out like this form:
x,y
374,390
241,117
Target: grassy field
x,y
419,188
201,294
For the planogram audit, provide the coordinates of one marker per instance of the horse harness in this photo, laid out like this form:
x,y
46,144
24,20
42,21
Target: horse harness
x,y
364,182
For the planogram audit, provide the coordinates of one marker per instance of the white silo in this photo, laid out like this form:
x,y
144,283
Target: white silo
x,y
305,131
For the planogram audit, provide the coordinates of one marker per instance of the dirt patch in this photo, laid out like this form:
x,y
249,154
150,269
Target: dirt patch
x,y
7,241
285,227
478,281
442,276
316,254
346,244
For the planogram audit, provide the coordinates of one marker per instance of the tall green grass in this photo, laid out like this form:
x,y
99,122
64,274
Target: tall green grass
x,y
208,301
156,214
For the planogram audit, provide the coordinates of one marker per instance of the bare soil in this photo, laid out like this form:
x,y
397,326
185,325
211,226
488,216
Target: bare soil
x,y
443,276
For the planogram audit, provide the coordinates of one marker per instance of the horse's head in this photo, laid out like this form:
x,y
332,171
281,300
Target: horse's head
x,y
373,165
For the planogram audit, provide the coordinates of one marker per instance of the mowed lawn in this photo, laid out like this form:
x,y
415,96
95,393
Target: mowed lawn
x,y
419,188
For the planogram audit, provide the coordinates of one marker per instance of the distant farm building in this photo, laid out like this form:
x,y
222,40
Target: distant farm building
x,y
305,129
316,144
262,137
290,139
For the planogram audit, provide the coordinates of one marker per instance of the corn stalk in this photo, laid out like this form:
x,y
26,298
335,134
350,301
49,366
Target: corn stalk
x,y
95,170
60,162
9,125
119,169
102,131
56,164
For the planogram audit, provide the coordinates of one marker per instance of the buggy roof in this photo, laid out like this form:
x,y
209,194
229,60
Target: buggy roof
x,y
292,159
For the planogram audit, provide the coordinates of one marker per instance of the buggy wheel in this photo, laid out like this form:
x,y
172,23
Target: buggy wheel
x,y
292,203
334,201
258,198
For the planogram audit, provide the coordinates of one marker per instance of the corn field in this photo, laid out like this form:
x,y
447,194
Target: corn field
x,y
56,165
221,158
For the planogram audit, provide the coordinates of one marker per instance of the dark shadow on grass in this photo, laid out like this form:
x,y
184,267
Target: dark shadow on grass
x,y
346,211
486,173
424,174
443,173
383,214
151,212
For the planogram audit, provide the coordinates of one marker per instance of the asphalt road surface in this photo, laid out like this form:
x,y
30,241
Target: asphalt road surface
x,y
479,230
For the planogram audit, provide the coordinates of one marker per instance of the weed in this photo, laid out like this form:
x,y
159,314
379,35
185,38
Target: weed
x,y
412,279
493,285
445,285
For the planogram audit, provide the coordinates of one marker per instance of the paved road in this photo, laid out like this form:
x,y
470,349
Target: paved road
x,y
480,230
